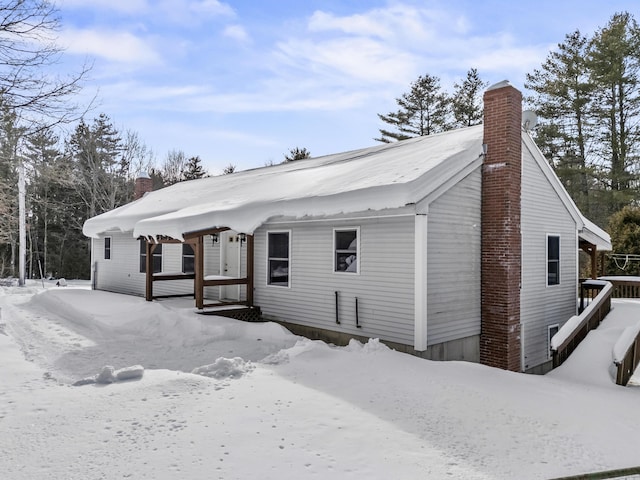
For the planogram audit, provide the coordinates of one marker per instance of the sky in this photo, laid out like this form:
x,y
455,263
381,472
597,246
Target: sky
x,y
243,82
217,398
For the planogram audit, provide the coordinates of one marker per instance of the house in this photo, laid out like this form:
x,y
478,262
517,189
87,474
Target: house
x,y
461,245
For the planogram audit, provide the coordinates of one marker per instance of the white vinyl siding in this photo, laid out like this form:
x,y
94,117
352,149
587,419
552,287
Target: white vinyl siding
x,y
453,262
543,214
121,274
384,287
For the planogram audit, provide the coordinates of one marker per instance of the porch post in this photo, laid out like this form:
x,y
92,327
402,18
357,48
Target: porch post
x,y
250,270
149,248
594,262
199,272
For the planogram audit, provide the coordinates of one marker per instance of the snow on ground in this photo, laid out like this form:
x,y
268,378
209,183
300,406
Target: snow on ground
x,y
219,398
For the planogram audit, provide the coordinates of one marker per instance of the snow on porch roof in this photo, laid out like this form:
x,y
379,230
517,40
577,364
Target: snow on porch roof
x,y
376,178
595,235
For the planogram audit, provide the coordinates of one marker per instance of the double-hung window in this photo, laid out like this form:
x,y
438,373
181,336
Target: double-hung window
x,y
107,248
157,257
346,248
278,258
188,258
553,259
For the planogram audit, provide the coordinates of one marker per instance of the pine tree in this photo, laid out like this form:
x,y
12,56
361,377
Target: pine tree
x,y
614,65
193,169
424,110
466,101
563,101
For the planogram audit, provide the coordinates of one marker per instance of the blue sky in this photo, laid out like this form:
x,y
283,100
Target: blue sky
x,y
242,82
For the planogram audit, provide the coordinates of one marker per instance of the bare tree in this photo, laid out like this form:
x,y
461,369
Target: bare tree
x,y
173,166
27,53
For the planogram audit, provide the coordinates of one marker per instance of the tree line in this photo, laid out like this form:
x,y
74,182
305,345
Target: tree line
x,y
586,95
67,181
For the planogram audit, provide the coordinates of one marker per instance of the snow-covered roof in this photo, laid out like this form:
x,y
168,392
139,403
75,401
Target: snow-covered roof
x,y
595,235
381,177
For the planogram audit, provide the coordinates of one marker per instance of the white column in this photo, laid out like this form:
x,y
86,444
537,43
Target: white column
x,y
420,283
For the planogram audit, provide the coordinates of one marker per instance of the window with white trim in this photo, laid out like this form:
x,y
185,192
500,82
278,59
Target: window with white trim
x,y
346,245
157,257
188,258
553,259
551,331
278,258
107,248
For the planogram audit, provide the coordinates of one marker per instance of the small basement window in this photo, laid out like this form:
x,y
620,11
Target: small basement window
x,y
157,257
553,259
346,247
278,248
107,248
188,258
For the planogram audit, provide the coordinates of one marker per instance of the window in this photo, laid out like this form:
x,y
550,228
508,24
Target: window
x,y
188,258
278,248
551,331
345,246
157,257
107,248
553,260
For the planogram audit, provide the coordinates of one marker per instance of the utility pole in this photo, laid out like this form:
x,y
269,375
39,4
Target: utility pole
x,y
22,250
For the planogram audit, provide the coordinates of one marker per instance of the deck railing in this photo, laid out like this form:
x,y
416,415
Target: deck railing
x,y
576,328
624,287
626,354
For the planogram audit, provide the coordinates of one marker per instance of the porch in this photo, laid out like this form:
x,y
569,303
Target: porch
x,y
197,273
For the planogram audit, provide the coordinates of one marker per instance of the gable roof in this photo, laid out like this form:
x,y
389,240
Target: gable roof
x,y
382,177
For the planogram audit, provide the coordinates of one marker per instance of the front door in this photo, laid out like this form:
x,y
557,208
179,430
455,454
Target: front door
x,y
230,262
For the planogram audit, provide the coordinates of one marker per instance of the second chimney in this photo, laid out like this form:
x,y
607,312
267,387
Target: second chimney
x,y
143,185
501,240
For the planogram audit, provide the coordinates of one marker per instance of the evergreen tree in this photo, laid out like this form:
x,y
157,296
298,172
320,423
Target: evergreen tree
x,y
614,66
193,169
563,101
624,228
423,110
466,101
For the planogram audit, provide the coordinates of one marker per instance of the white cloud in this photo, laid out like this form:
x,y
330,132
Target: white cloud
x,y
212,7
237,32
122,6
116,46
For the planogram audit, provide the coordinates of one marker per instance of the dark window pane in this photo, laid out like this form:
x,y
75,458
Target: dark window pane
x,y
278,272
553,260
279,245
107,248
553,245
157,263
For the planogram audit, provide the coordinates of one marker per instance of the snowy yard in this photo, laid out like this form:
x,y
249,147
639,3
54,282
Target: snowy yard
x,y
266,404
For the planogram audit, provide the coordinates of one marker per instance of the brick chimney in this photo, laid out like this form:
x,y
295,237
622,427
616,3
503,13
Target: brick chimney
x,y
143,185
501,240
